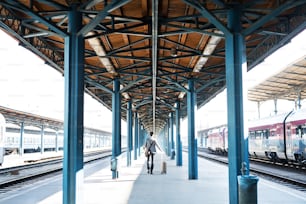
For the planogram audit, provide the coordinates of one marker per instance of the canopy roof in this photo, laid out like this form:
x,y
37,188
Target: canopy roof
x,y
288,84
153,47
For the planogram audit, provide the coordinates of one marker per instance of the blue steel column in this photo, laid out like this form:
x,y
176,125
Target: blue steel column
x,y
116,119
164,139
179,160
144,135
192,143
56,140
42,135
171,134
116,122
139,138
21,145
169,137
129,117
74,106
235,60
135,135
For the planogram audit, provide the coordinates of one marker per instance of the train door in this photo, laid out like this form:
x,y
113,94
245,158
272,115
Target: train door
x,y
265,139
289,149
300,144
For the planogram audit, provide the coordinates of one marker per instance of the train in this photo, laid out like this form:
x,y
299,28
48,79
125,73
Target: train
x,y
279,138
2,135
53,140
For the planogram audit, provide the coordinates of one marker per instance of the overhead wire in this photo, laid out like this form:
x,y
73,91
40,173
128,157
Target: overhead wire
x,y
154,57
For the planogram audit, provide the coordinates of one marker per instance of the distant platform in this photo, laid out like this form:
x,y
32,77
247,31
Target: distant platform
x,y
12,160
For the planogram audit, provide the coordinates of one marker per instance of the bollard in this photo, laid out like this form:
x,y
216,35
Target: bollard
x,y
247,189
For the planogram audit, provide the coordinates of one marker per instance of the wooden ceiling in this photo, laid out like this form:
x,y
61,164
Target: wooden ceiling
x,y
154,48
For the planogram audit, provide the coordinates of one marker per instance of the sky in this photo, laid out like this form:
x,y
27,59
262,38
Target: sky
x,y
21,71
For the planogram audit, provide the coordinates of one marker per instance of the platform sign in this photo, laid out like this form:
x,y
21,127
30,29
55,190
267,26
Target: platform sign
x,y
2,133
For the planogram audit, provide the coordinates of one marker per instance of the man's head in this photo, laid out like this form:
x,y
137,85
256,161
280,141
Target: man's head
x,y
151,134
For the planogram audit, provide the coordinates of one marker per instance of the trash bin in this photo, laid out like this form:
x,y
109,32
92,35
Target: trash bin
x,y
113,164
247,189
114,167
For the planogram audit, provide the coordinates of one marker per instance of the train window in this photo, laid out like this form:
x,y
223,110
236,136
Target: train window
x,y
258,134
303,130
252,134
266,133
299,130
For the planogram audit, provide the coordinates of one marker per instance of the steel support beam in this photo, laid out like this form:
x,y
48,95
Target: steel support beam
x,y
129,118
42,135
166,140
169,137
154,58
171,134
299,105
113,5
258,109
56,140
21,143
73,174
140,136
163,137
192,143
135,135
144,135
179,160
116,121
275,106
275,12
235,63
207,14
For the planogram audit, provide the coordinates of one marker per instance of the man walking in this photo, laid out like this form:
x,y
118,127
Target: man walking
x,y
151,150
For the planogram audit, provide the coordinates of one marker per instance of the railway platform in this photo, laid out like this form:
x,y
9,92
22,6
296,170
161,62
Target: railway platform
x,y
135,186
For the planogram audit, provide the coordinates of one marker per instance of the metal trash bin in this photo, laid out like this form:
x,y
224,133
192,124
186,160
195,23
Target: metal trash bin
x,y
247,189
114,167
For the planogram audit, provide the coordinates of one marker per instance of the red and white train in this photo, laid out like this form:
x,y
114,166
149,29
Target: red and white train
x,y
279,138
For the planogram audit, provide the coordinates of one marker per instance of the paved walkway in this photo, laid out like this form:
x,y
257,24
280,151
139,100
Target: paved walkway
x,y
135,186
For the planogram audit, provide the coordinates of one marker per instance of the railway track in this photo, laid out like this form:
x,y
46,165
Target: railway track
x,y
285,175
28,172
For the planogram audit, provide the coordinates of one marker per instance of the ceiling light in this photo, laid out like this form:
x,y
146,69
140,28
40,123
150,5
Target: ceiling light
x,y
173,52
